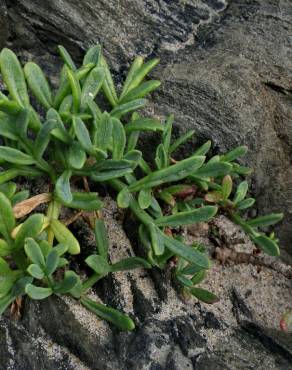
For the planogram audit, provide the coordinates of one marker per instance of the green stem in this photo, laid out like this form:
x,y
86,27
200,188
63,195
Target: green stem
x,y
40,163
91,281
238,220
134,206
53,212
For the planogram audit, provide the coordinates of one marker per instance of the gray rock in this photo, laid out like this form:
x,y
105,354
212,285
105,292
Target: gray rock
x,y
226,71
240,332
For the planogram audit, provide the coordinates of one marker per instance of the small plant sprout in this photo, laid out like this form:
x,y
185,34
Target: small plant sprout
x,y
67,136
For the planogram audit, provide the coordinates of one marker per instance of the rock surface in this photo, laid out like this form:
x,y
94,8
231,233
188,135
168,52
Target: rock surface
x,y
226,70
240,332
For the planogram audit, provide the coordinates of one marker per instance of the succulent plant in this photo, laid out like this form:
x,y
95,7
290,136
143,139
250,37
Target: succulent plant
x,y
67,135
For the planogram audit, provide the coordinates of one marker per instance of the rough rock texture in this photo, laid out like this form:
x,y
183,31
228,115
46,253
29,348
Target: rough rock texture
x,y
226,70
239,332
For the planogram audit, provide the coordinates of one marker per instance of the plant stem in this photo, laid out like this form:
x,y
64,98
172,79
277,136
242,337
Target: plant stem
x,y
139,213
53,212
90,282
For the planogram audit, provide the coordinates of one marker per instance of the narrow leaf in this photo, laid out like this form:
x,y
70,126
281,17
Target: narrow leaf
x,y
187,252
130,264
234,154
13,77
268,245
121,110
38,293
35,271
141,91
52,261
204,295
98,264
101,238
186,218
34,252
267,220
64,236
119,139
29,229
62,188
91,86
144,124
66,58
15,156
175,172
38,84
109,314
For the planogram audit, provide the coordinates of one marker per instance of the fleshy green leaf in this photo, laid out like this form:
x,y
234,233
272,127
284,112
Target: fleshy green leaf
x,y
121,110
76,90
38,293
15,156
83,135
98,264
119,139
64,236
29,229
204,295
199,277
71,279
38,84
181,140
130,264
157,240
4,267
92,55
145,198
52,261
175,172
140,73
246,203
66,58
5,249
226,187
108,84
138,61
92,85
101,238
234,154
103,132
63,189
43,138
187,218
187,252
213,169
203,150
161,158
109,314
85,201
5,302
34,252
266,220
144,124
124,198
13,77
35,271
76,156
7,220
141,91
240,192
268,245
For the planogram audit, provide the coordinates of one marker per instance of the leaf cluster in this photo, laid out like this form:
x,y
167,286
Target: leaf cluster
x,y
71,137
